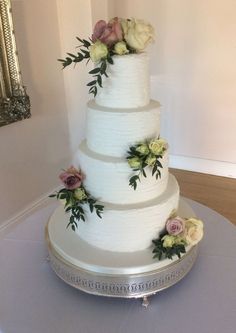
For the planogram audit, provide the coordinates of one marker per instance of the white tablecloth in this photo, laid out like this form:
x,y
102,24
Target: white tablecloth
x,y
34,300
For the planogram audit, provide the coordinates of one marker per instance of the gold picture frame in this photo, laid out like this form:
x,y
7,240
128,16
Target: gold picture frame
x,y
14,102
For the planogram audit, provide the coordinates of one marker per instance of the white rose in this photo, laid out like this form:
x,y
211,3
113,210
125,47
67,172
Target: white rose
x,y
195,222
80,194
120,48
98,51
193,231
143,149
137,33
158,146
169,240
124,24
150,160
134,162
180,240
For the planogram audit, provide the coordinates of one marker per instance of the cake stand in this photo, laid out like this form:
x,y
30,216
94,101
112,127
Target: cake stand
x,y
113,274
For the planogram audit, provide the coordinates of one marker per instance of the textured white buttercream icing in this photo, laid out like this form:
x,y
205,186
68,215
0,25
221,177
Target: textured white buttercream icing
x,y
127,85
128,228
112,131
107,178
121,116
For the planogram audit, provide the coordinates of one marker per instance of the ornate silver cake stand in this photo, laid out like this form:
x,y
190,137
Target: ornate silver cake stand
x,y
103,273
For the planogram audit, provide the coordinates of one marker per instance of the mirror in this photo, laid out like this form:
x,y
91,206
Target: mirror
x,y
14,102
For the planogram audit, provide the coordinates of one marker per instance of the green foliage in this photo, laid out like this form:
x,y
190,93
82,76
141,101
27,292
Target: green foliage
x,y
161,252
142,158
97,73
76,207
133,181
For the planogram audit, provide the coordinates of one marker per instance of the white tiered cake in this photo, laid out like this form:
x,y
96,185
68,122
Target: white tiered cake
x,y
120,204
121,116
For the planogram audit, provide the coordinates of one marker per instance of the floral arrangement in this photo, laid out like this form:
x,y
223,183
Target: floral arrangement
x,y
146,155
117,37
177,235
74,197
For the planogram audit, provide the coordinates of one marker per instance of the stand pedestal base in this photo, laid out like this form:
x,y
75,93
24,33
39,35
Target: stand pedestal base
x,y
112,274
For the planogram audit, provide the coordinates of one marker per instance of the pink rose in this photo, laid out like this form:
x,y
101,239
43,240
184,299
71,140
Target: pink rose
x,y
71,178
108,33
175,226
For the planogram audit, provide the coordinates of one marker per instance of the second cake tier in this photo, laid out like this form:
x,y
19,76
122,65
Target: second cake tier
x,y
112,131
107,178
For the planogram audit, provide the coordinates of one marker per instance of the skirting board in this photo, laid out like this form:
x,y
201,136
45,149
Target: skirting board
x,y
217,168
25,212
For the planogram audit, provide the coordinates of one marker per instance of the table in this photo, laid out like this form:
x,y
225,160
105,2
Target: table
x,y
34,300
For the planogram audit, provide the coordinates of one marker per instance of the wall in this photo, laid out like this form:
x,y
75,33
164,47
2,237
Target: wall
x,y
100,10
33,151
194,78
75,19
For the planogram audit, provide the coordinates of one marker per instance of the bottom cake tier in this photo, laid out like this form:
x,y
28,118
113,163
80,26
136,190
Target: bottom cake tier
x,y
129,228
115,274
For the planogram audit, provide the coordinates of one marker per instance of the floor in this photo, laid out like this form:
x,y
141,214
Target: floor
x,y
218,193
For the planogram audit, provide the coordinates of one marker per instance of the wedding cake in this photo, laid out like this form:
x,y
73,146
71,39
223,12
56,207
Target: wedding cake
x,y
121,115
119,194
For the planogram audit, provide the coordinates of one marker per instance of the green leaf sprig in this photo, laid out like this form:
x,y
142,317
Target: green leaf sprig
x,y
161,252
75,205
143,156
80,56
97,73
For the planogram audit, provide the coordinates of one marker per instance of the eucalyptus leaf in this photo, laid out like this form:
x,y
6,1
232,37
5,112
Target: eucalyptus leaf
x,y
158,163
86,43
72,55
78,58
80,40
95,70
92,83
91,207
98,214
86,53
82,218
99,81
110,60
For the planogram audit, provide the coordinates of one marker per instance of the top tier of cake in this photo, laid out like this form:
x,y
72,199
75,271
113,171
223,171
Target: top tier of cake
x,y
127,85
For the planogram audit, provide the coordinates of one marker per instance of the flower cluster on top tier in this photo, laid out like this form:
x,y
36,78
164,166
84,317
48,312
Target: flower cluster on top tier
x,y
117,37
177,235
146,155
74,196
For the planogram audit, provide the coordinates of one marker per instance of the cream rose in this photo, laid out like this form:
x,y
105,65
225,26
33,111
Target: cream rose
x,y
120,48
98,51
134,162
169,240
150,160
137,33
80,194
193,231
158,146
180,240
143,149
